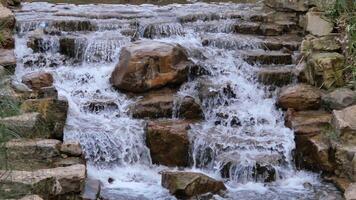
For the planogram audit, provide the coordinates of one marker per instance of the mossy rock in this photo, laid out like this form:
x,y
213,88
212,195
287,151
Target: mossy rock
x,y
53,112
325,70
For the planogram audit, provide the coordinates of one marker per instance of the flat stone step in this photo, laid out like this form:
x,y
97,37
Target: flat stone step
x,y
264,28
289,42
51,183
240,41
267,57
34,154
277,75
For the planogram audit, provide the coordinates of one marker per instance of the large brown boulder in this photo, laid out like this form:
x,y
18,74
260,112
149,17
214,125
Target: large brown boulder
x,y
300,97
344,121
168,142
38,80
189,184
146,65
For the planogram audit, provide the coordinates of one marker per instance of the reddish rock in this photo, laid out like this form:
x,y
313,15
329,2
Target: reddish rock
x,y
307,122
300,97
189,184
168,142
38,80
161,103
147,65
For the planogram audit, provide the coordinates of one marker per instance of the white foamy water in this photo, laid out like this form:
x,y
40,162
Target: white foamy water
x,y
242,139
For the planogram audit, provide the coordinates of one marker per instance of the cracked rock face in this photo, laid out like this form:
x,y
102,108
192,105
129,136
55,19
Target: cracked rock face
x,y
147,65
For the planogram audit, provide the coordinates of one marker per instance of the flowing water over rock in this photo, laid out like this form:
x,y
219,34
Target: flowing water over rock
x,y
242,139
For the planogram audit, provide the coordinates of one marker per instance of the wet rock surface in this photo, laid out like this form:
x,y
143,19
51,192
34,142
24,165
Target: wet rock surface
x,y
162,103
147,65
168,142
189,184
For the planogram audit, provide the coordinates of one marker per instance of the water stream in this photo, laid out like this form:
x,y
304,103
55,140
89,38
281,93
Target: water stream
x,y
242,128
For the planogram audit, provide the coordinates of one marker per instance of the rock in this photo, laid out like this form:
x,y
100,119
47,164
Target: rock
x,y
344,121
189,108
270,57
7,41
48,92
3,72
92,189
71,148
31,197
7,18
324,43
27,125
156,104
65,162
53,112
168,142
350,193
300,97
288,5
8,59
37,42
38,80
31,154
98,106
263,169
208,89
161,103
308,122
339,99
147,65
317,25
278,76
345,159
325,69
72,47
20,87
74,25
11,3
290,42
189,184
50,183
312,152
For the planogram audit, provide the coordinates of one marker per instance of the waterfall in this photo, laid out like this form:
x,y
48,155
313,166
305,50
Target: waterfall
x,y
242,139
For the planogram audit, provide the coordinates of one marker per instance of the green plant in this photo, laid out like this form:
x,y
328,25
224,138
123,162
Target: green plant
x,y
342,13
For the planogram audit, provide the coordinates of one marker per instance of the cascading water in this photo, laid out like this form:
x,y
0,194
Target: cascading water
x,y
242,139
